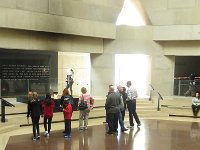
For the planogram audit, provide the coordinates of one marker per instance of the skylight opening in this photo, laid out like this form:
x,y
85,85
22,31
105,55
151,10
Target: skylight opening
x,y
130,15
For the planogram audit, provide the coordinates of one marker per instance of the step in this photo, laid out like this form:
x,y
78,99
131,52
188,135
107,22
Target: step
x,y
154,114
7,127
22,119
179,111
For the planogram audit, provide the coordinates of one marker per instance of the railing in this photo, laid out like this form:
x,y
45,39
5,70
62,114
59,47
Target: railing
x,y
19,89
185,87
159,98
151,91
3,104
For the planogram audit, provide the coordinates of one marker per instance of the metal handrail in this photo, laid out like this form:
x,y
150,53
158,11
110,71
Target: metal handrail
x,y
150,92
3,104
159,98
182,85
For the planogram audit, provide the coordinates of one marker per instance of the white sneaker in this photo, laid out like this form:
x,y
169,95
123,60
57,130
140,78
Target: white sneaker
x,y
45,133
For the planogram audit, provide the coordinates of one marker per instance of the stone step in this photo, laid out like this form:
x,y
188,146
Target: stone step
x,y
154,114
21,119
7,127
179,111
145,108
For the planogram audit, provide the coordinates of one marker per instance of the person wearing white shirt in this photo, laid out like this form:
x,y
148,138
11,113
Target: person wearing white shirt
x,y
196,104
131,104
69,79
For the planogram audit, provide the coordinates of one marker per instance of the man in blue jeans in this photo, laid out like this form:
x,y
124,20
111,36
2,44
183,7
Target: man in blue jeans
x,y
131,104
122,109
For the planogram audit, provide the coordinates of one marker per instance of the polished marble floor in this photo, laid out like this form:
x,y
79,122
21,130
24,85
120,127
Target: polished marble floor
x,y
152,135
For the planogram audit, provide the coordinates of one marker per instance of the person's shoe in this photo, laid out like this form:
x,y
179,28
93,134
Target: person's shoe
x,y
124,129
34,139
45,133
109,132
85,128
69,136
139,124
81,128
66,136
38,137
131,127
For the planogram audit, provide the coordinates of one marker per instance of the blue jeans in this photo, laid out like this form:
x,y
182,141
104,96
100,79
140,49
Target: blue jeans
x,y
121,122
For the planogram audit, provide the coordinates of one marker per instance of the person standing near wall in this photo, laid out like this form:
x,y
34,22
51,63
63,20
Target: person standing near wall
x,y
109,91
196,104
30,95
124,96
64,98
35,110
113,102
70,79
67,109
122,110
48,109
192,86
84,114
131,104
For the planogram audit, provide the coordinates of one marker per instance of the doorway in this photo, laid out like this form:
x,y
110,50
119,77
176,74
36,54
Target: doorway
x,y
135,68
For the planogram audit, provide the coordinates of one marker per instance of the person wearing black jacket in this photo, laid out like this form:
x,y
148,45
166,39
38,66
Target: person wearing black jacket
x,y
112,106
124,96
35,110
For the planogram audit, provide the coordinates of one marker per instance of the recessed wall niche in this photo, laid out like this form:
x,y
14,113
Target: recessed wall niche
x,y
24,70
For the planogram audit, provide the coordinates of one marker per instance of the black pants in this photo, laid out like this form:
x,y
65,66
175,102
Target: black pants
x,y
113,122
69,85
47,121
67,126
131,104
35,123
195,110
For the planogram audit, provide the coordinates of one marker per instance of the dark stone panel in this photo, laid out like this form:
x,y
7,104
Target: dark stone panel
x,y
22,70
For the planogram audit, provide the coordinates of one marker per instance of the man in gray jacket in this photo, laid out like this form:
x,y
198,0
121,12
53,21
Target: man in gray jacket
x,y
113,103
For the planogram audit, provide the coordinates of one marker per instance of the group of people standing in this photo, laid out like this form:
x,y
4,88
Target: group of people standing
x,y
115,106
45,109
37,108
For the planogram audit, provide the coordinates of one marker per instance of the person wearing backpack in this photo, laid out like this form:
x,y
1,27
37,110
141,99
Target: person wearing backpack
x,y
65,99
48,109
84,114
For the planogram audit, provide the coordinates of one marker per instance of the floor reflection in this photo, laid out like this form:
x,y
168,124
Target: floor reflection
x,y
152,135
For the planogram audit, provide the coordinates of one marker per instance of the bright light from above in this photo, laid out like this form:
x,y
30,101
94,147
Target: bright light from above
x,y
135,68
130,15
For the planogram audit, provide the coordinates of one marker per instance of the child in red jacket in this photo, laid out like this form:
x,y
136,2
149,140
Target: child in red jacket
x,y
48,109
67,116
